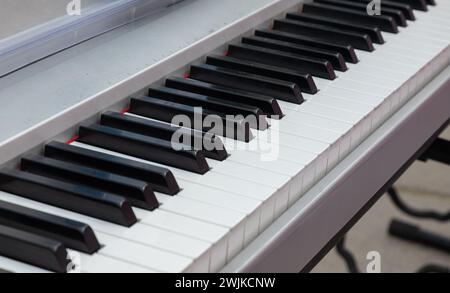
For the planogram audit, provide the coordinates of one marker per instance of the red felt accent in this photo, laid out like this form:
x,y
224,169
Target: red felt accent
x,y
73,139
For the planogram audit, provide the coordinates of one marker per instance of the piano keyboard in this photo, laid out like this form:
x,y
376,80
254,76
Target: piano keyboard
x,y
121,199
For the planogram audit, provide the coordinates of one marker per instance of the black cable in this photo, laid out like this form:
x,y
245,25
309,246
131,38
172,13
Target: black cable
x,y
432,268
406,231
347,256
423,214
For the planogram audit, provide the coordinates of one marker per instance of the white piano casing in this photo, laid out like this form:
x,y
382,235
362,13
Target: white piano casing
x,y
137,72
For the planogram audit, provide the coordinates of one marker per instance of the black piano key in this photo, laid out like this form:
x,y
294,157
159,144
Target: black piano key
x,y
138,193
415,4
314,66
395,13
282,90
166,111
211,103
335,58
384,22
373,31
196,139
358,40
161,179
267,104
405,8
81,199
346,50
431,2
33,249
303,80
72,234
144,147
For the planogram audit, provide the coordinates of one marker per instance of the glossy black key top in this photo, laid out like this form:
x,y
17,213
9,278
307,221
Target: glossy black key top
x,y
431,2
138,193
161,179
282,90
210,103
405,8
267,104
384,22
72,234
232,127
346,50
81,199
196,139
335,58
415,4
315,66
358,40
33,249
373,31
144,147
303,80
395,13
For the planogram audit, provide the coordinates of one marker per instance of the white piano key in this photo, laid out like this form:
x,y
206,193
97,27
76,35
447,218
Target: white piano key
x,y
342,103
13,266
100,264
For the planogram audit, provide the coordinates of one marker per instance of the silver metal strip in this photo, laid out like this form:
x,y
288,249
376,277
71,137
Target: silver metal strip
x,y
292,241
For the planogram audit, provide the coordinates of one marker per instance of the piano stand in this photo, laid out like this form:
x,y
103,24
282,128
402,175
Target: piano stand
x,y
436,149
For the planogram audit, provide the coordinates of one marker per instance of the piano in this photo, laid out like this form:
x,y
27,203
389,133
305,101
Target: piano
x,y
91,181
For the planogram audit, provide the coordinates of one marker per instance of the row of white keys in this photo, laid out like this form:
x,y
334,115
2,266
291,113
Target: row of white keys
x,y
242,227
285,183
357,92
229,173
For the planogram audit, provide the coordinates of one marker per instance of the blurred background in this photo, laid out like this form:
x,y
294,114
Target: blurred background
x,y
423,186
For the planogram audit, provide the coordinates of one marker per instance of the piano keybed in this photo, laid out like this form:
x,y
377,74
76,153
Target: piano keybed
x,y
121,198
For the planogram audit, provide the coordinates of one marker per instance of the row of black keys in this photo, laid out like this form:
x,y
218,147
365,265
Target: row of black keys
x,y
274,63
